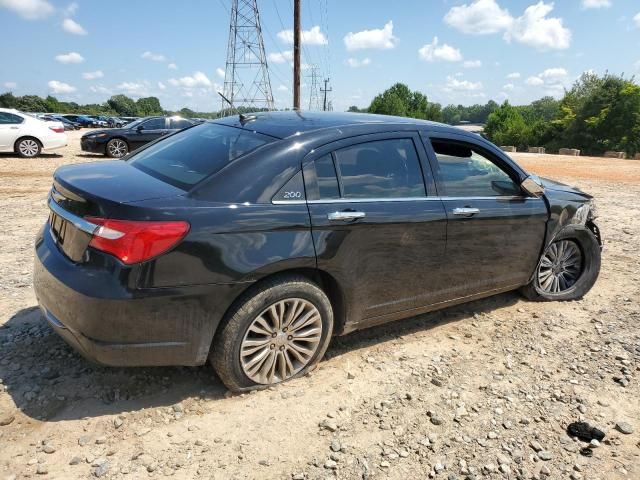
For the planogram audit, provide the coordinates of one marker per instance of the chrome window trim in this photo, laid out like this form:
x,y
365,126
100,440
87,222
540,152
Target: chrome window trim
x,y
398,199
78,222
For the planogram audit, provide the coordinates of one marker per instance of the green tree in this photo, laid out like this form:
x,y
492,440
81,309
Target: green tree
x,y
31,103
123,106
400,100
7,100
149,106
506,126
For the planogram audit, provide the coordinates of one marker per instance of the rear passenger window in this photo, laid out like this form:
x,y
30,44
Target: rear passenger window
x,y
380,169
327,179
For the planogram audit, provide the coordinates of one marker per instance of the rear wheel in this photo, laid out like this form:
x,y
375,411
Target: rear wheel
x,y
116,148
278,331
568,269
28,147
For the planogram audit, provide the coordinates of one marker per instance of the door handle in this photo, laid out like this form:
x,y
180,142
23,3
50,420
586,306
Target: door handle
x,y
466,211
346,215
14,128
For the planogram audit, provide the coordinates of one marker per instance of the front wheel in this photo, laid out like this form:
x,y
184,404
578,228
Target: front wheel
x,y
117,148
568,268
277,331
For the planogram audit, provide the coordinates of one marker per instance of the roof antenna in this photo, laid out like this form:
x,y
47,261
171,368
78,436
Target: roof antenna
x,y
243,116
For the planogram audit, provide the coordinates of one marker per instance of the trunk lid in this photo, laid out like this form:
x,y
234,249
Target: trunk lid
x,y
102,189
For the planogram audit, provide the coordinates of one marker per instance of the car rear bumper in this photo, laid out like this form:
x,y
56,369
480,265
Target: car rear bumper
x,y
95,311
92,146
53,142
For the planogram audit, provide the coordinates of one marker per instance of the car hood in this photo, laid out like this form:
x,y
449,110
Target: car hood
x,y
556,186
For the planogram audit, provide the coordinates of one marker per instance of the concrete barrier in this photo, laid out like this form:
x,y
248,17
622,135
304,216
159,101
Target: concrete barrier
x,y
574,152
509,148
613,154
536,150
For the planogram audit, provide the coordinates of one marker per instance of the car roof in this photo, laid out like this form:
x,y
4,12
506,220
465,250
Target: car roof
x,y
289,123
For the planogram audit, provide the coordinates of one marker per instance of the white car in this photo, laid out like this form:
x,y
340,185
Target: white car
x,y
27,135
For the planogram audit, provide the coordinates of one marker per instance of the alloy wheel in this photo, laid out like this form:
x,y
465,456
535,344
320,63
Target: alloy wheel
x,y
28,147
281,341
117,148
560,267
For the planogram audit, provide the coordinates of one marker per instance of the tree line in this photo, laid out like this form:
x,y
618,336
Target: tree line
x,y
598,113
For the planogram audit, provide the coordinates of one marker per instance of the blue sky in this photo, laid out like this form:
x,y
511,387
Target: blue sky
x,y
454,51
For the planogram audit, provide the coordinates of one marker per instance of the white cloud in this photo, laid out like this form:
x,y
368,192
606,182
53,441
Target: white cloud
x,y
93,75
357,63
508,87
453,84
100,89
479,18
281,57
472,64
283,88
554,74
198,79
309,37
135,89
596,3
71,57
70,26
514,75
534,29
10,85
29,9
156,57
433,51
60,87
172,66
161,86
534,81
378,38
636,20
220,72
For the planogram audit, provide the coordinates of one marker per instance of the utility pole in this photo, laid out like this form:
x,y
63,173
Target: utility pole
x,y
325,90
296,54
246,78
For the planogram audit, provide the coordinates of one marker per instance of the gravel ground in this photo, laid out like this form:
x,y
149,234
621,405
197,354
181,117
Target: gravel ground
x,y
483,390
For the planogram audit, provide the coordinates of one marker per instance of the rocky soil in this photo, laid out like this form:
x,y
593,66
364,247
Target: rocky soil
x,y
480,391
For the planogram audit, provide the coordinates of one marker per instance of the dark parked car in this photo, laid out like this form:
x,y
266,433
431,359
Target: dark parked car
x,y
117,142
68,125
115,122
252,241
81,120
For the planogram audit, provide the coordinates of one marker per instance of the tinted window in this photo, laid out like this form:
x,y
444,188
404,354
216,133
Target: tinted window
x,y
189,156
465,172
327,179
9,118
293,191
179,123
381,169
154,124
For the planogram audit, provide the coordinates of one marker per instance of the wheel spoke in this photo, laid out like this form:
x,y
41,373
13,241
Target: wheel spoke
x,y
281,341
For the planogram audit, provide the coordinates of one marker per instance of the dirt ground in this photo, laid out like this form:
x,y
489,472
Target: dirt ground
x,y
483,390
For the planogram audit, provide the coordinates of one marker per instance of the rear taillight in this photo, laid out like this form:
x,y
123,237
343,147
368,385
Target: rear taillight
x,y
57,129
136,241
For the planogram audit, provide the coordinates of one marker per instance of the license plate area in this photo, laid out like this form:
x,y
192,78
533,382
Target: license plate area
x,y
70,240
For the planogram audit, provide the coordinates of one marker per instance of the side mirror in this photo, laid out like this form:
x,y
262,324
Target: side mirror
x,y
505,187
532,187
139,128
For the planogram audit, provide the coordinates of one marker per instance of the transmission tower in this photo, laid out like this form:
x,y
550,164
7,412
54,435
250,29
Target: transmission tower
x,y
314,91
246,77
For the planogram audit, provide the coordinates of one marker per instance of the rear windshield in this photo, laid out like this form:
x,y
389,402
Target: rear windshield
x,y
188,157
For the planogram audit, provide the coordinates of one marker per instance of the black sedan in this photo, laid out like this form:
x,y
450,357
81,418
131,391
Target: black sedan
x,y
118,142
251,241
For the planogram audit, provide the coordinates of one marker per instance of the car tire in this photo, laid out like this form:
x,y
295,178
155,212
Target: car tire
x,y
590,258
253,350
28,147
116,148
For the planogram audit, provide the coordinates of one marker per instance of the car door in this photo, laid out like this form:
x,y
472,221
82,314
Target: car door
x,y
148,131
377,229
10,130
495,231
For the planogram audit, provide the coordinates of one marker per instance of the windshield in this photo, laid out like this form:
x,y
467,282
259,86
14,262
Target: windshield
x,y
135,123
191,155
